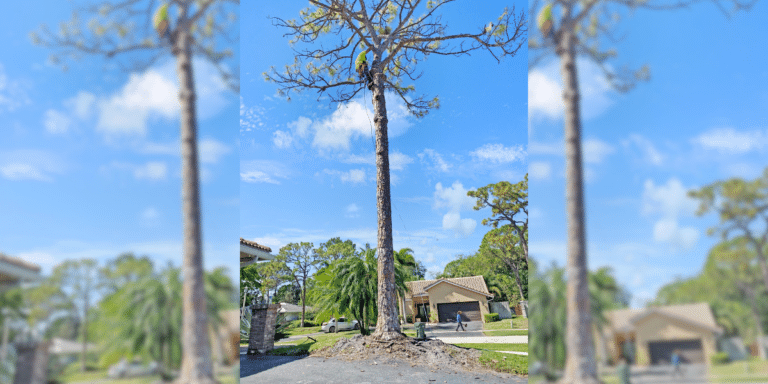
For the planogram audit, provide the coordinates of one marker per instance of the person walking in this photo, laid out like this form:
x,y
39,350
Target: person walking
x,y
623,371
676,364
458,320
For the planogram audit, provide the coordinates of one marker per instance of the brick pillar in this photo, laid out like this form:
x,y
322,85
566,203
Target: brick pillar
x,y
31,363
261,338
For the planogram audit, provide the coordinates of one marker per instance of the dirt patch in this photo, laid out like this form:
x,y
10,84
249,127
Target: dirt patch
x,y
431,353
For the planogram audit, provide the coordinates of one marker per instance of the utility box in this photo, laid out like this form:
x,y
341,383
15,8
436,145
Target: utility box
x,y
420,334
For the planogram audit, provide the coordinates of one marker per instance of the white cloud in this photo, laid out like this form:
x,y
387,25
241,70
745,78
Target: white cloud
x,y
301,126
154,94
250,117
352,211
596,150
667,230
554,149
455,199
81,105
669,200
212,150
263,171
153,170
545,96
648,152
498,153
355,176
30,165
12,93
56,122
150,217
351,121
729,140
433,160
540,170
282,139
143,96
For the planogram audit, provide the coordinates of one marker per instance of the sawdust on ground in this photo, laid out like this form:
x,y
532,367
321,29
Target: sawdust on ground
x,y
432,353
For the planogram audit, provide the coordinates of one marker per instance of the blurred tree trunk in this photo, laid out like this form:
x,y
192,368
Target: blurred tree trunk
x,y
580,364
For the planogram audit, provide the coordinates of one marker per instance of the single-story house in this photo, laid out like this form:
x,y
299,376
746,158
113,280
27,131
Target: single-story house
x,y
649,336
253,252
445,297
14,271
292,311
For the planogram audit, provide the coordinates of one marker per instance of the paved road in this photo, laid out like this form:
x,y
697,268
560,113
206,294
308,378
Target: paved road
x,y
315,370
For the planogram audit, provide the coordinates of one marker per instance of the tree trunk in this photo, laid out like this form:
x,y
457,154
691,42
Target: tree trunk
x,y
303,302
516,269
196,364
387,326
580,364
84,351
758,324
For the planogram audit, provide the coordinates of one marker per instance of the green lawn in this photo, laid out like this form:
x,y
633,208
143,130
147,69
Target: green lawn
x,y
302,331
517,322
505,362
753,371
511,332
496,346
305,346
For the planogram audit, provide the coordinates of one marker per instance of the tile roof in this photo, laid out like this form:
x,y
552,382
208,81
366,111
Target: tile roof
x,y
700,314
474,283
19,263
255,245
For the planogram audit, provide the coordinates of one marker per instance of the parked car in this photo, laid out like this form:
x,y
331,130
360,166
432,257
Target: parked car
x,y
342,324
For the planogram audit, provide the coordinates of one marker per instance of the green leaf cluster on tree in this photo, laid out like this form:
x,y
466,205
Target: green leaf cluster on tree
x,y
131,309
547,313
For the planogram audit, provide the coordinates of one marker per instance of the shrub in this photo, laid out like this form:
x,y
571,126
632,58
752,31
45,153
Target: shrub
x,y
720,358
409,319
433,317
491,317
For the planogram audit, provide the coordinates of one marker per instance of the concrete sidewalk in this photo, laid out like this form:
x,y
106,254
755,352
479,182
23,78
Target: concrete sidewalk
x,y
485,339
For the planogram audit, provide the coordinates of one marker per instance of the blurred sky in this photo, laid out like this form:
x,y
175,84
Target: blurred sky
x,y
90,158
307,167
700,119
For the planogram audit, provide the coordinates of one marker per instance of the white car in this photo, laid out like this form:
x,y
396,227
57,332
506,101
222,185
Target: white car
x,y
342,324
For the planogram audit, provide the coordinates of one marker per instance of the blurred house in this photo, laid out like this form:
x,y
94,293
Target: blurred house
x,y
292,311
14,271
445,297
649,336
253,252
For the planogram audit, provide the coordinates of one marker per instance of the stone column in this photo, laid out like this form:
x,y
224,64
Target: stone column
x,y
261,338
31,363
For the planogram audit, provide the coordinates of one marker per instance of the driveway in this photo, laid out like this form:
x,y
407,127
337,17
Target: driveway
x,y
315,370
439,330
658,374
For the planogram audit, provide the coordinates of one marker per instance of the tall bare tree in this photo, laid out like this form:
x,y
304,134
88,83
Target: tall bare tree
x,y
183,28
334,33
572,28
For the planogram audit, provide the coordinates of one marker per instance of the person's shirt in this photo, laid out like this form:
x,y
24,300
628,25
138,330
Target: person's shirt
x,y
675,358
458,318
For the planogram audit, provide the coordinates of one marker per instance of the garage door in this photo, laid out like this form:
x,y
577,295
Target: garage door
x,y
470,311
690,351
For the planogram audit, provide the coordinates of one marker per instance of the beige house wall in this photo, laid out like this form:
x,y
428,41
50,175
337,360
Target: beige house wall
x,y
449,293
657,327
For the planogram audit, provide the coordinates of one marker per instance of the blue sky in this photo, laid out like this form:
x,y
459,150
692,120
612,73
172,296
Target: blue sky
x,y
698,120
90,158
307,168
